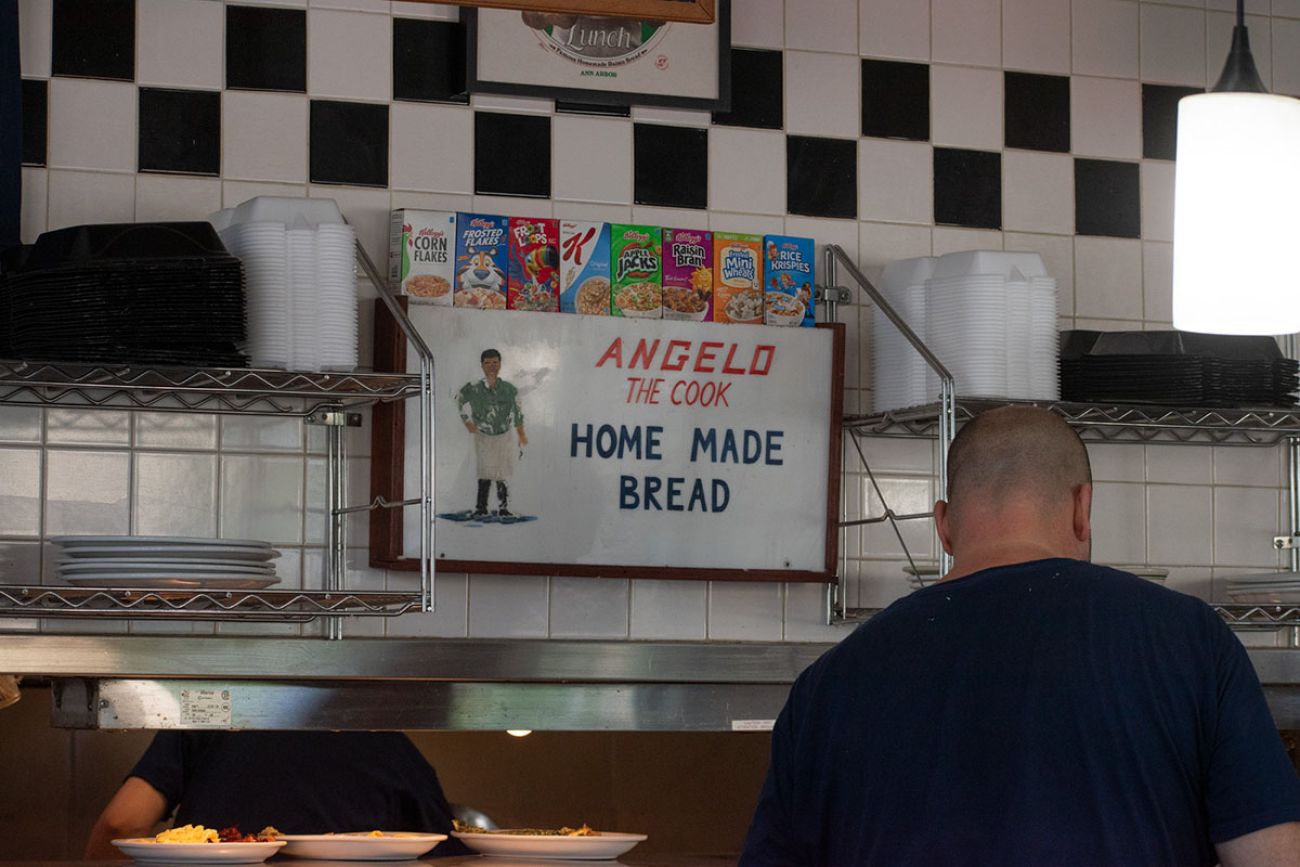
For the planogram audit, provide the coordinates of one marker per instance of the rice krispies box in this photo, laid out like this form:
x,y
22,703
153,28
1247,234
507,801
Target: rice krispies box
x,y
635,287
420,248
534,265
738,280
481,261
788,280
584,268
688,274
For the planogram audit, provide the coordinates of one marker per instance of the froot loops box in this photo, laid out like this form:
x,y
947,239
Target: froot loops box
x,y
789,282
534,278
481,261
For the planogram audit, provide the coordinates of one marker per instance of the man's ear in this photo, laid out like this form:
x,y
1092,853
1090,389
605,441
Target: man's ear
x,y
941,523
1083,512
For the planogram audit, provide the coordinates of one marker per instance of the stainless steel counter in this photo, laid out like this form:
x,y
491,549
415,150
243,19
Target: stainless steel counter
x,y
631,859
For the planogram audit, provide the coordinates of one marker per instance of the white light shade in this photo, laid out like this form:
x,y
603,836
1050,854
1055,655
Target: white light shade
x,y
1237,214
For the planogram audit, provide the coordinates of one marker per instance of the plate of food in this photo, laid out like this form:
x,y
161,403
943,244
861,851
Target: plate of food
x,y
195,844
361,845
571,844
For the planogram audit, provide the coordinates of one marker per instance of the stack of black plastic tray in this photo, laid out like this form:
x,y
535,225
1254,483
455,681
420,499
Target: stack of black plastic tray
x,y
1175,368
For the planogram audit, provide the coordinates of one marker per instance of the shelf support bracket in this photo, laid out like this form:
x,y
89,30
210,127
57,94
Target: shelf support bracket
x,y
334,418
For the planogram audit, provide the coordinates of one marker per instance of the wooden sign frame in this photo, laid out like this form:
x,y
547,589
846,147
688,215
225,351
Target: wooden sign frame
x,y
689,11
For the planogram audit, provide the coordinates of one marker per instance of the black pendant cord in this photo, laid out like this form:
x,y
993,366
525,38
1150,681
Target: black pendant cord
x,y
1239,72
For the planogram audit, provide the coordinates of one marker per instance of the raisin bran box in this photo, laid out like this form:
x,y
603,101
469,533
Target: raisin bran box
x,y
738,278
584,268
788,280
635,287
420,248
534,281
481,261
688,274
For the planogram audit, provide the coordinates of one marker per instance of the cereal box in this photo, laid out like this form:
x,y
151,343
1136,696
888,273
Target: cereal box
x,y
481,261
534,265
420,248
688,274
788,280
738,280
584,268
635,288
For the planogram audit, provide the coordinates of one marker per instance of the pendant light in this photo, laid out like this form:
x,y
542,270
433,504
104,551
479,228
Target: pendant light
x,y
1236,195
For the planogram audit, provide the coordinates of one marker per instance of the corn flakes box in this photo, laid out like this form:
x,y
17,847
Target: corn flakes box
x,y
534,279
635,287
738,278
788,280
688,274
482,262
584,268
420,255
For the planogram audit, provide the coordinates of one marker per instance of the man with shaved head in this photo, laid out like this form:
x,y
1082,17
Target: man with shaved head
x,y
1030,708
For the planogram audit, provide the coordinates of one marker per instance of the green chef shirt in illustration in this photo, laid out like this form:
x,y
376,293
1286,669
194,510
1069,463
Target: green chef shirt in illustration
x,y
493,410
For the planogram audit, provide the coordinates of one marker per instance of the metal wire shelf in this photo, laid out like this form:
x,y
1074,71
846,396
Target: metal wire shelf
x,y
280,606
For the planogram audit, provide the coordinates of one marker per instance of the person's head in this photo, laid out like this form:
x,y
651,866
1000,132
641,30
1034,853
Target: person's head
x,y
1017,476
491,362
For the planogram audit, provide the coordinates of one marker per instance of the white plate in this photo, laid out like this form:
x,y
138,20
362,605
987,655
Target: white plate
x,y
393,846
157,540
147,851
187,552
600,846
178,566
168,581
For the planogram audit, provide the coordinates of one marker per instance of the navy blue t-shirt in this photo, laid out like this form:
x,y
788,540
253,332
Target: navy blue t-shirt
x,y
302,782
1046,713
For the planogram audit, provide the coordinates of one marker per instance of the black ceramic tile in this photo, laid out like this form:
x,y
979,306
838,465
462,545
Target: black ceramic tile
x,y
562,107
670,166
180,131
266,48
94,38
429,60
896,100
349,143
1106,198
821,176
967,188
35,120
1160,119
512,154
757,90
1037,111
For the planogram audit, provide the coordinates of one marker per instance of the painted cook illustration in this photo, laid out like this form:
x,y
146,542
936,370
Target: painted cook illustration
x,y
490,408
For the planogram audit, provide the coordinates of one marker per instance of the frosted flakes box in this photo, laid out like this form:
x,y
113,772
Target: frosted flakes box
x,y
688,274
420,248
534,280
635,288
788,279
738,278
584,268
481,261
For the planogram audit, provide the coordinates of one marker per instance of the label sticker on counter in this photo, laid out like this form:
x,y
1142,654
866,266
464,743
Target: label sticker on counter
x,y
205,707
752,725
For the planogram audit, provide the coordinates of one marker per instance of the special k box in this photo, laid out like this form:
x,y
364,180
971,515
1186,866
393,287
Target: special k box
x,y
688,274
584,268
481,261
788,280
534,265
635,287
738,281
420,248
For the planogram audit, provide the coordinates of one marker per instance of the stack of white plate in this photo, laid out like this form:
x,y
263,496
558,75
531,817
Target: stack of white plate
x,y
166,562
1282,588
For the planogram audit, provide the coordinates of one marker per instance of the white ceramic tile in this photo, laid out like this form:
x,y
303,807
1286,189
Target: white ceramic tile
x,y
895,181
264,136
1285,8
1038,192
744,611
367,210
249,433
1218,41
822,25
1253,7
592,159
1058,258
898,455
35,205
1117,462
589,607
349,55
1245,522
20,495
432,201
1108,278
758,23
882,243
882,583
966,107
235,192
261,498
1036,35
20,563
1158,281
747,170
905,496
948,239
78,105
86,492
1106,118
508,606
87,427
180,43
35,34
1104,38
512,104
436,11
1173,45
511,205
90,197
805,615
175,494
1180,524
175,430
1118,523
823,232
1192,580
20,424
669,610
432,147
1157,200
822,94
364,579
1286,56
450,615
383,7
673,218
966,31
165,198
887,28
1258,467
1180,465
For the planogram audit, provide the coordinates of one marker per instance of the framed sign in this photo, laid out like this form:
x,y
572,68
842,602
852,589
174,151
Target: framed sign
x,y
698,11
602,446
592,58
